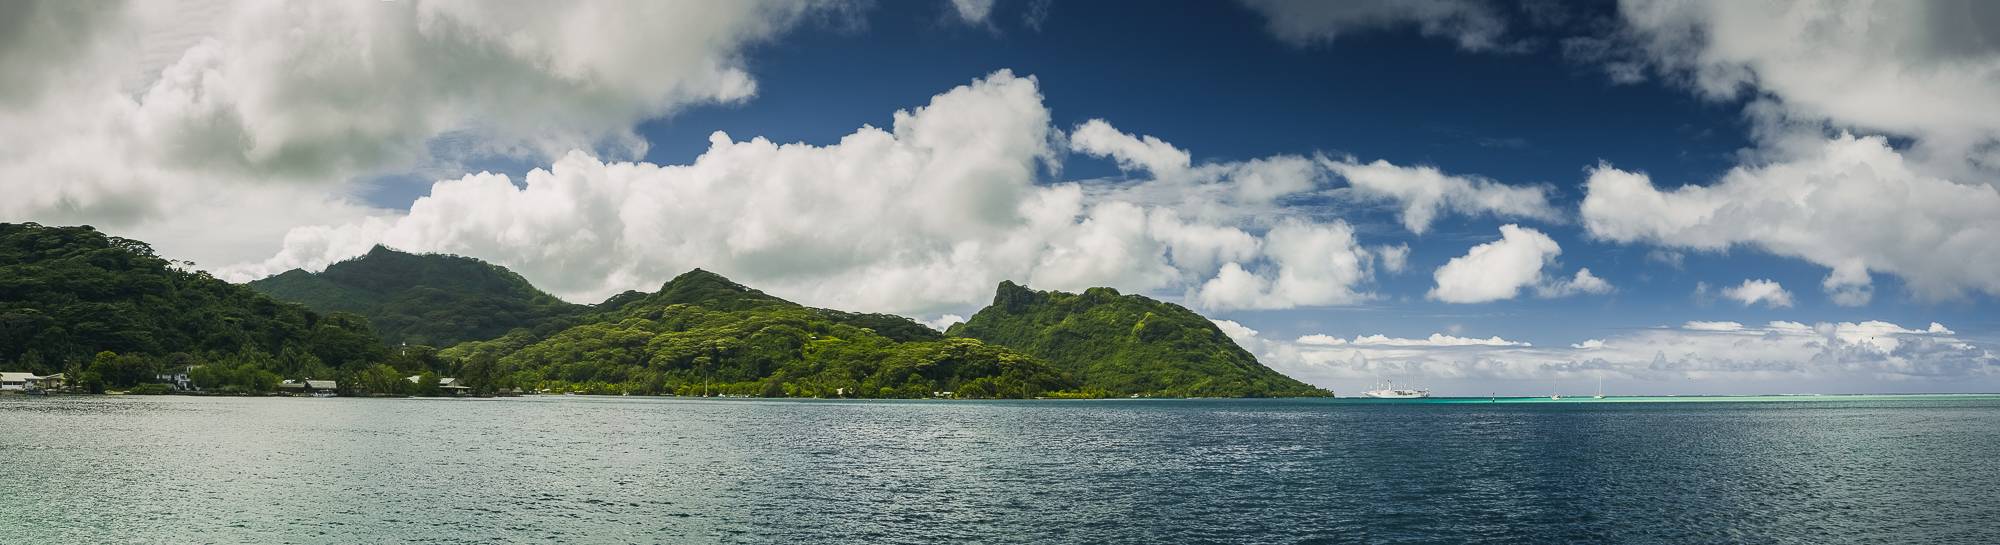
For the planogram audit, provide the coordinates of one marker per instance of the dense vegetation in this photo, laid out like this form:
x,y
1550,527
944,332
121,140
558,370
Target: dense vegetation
x,y
703,334
109,312
1126,344
432,299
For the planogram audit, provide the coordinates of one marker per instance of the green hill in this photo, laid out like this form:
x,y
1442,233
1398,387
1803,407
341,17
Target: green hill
x,y
1126,344
702,333
429,299
74,299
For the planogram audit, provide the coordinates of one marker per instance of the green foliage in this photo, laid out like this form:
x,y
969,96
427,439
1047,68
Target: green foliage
x,y
429,299
246,372
380,379
1126,344
69,293
704,335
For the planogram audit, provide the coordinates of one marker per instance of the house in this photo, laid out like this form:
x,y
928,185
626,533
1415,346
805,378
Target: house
x,y
447,385
52,382
308,387
17,382
179,380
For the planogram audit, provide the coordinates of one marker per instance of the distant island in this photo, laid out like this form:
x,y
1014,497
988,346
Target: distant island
x,y
106,313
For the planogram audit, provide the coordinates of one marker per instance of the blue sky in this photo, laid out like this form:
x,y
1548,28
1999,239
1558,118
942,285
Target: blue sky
x,y
434,135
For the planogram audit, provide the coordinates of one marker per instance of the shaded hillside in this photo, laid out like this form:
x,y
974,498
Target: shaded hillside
x,y
702,333
68,294
428,299
1126,344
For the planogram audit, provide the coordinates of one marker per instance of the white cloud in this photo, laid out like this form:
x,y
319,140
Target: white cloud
x,y
1584,282
972,11
1321,339
921,218
1698,325
1238,332
1768,292
944,322
1849,285
1925,70
1251,191
1097,137
1309,264
1853,206
147,118
1393,258
1498,270
1436,339
1717,356
1425,191
1473,25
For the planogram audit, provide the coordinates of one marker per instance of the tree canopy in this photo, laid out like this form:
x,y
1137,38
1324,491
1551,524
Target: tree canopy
x,y
703,334
1127,344
68,294
428,299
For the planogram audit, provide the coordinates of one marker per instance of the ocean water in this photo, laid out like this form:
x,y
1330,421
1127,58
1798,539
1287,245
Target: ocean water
x,y
129,469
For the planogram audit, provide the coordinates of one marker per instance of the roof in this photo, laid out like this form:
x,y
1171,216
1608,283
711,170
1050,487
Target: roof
x,y
321,384
17,377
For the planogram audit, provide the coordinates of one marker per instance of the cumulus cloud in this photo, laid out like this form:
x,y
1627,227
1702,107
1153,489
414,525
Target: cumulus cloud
x,y
1499,270
1251,191
1776,357
1425,191
1097,137
1925,70
147,118
1752,292
1473,25
1309,265
1854,206
922,217
1582,283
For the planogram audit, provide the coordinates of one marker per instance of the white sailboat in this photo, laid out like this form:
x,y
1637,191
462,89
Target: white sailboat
x,y
1600,389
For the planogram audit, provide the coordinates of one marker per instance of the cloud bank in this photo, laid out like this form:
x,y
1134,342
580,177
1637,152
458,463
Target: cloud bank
x,y
1778,357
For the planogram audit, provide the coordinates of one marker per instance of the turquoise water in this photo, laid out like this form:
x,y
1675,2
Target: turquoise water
x,y
129,469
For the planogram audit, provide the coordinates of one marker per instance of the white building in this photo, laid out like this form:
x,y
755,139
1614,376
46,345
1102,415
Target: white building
x,y
17,382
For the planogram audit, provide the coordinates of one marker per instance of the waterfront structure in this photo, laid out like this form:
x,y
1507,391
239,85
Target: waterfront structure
x,y
16,382
179,380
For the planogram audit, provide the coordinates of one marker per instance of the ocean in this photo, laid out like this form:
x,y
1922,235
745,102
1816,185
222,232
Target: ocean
x,y
578,469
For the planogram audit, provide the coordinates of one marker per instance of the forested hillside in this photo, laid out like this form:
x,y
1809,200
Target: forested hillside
x,y
1126,344
107,308
429,299
703,334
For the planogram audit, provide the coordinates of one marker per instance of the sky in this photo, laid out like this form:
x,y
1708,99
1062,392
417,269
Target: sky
x,y
1512,198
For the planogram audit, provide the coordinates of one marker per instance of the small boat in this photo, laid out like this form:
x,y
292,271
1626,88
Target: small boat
x,y
1600,389
1390,392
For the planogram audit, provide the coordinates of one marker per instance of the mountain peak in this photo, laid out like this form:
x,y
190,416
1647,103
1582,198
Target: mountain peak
x,y
1126,344
701,287
1015,297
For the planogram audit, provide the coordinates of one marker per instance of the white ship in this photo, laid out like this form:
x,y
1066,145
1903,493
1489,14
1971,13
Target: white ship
x,y
1390,392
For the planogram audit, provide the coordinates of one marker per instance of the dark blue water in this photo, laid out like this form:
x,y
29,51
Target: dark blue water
x,y
608,470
